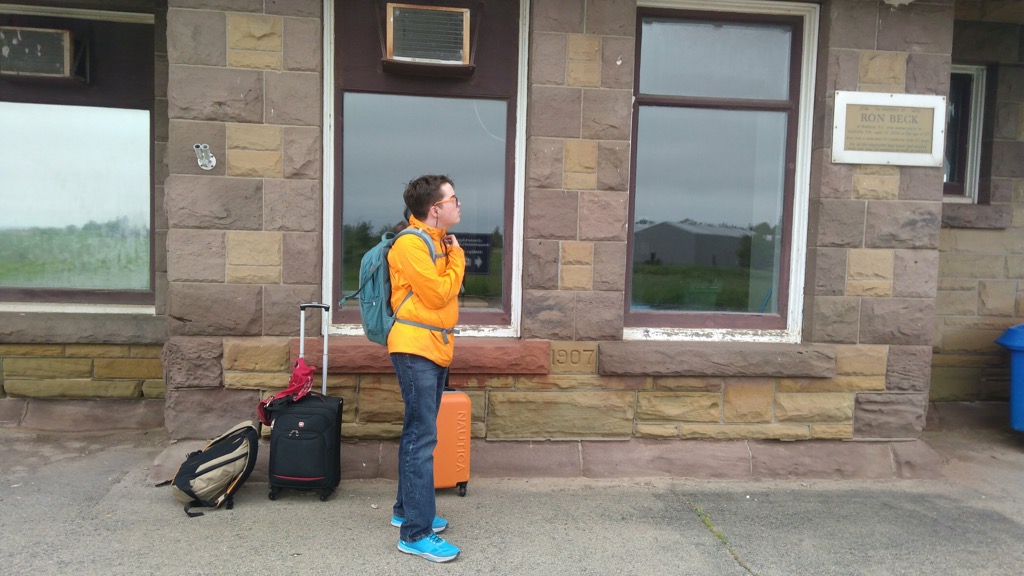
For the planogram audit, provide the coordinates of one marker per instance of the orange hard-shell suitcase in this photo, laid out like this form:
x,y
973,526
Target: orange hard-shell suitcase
x,y
451,455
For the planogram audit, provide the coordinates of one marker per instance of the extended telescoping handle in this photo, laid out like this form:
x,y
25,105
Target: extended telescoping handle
x,y
302,336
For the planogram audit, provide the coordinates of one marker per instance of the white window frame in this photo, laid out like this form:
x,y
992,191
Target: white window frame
x,y
977,115
801,188
512,330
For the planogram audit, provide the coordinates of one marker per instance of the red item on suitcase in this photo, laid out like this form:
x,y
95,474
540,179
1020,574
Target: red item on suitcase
x,y
298,386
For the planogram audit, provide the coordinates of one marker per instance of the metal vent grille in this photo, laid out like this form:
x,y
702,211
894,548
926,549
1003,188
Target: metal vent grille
x,y
428,34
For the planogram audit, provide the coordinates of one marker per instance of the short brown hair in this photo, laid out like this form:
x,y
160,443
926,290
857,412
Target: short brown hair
x,y
423,192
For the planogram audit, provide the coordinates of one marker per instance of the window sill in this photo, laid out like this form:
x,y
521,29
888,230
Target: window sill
x,y
628,358
507,356
98,325
979,216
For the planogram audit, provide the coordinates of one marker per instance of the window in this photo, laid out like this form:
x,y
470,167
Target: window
x,y
721,121
398,123
77,172
965,110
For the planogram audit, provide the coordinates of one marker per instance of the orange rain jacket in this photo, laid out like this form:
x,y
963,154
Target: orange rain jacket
x,y
435,294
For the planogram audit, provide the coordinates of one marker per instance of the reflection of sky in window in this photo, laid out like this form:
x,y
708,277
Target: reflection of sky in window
x,y
711,166
390,140
714,59
68,165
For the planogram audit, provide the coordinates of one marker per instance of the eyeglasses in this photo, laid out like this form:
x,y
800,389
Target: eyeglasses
x,y
454,198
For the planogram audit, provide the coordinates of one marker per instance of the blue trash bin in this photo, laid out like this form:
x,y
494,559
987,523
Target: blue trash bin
x,y
1013,340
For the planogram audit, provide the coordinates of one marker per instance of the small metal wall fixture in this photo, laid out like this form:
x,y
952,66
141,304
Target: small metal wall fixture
x,y
204,157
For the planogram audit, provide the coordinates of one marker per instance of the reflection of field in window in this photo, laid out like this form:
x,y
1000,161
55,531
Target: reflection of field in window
x,y
75,197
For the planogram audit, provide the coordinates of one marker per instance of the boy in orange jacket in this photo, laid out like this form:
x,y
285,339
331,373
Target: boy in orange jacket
x,y
421,355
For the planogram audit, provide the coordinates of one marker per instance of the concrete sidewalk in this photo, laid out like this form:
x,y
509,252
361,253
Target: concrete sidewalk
x,y
86,505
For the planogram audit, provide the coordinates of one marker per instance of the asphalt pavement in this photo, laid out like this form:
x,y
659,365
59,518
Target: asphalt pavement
x,y
85,504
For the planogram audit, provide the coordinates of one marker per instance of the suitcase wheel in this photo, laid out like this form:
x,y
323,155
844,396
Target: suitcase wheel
x,y
274,490
326,494
462,488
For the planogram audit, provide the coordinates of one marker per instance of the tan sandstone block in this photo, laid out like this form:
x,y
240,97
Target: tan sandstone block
x,y
679,406
689,383
253,137
256,380
577,253
253,275
584,47
861,360
837,384
656,430
145,351
579,181
7,350
579,278
573,357
372,430
47,368
748,400
580,156
877,170
141,368
889,68
97,350
255,60
254,32
871,187
870,265
380,399
257,354
832,431
997,297
585,74
551,415
869,289
154,389
73,388
958,303
785,431
581,382
254,164
254,248
824,407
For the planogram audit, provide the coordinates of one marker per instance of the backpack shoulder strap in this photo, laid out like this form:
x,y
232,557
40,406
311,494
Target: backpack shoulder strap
x,y
433,256
423,236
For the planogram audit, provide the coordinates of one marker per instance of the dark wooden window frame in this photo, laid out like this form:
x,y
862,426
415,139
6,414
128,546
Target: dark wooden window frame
x,y
119,78
721,320
360,54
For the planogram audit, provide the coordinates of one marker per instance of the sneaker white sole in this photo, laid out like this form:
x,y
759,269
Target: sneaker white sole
x,y
430,557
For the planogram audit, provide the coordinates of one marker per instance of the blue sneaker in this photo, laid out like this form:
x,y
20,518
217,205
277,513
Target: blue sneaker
x,y
438,525
433,548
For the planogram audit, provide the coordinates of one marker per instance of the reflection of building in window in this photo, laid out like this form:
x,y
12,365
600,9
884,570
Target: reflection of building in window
x,y
964,113
679,243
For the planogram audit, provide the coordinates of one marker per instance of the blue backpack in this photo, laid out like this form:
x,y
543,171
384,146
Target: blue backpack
x,y
374,291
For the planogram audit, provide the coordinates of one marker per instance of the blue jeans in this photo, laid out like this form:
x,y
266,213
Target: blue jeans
x,y
422,383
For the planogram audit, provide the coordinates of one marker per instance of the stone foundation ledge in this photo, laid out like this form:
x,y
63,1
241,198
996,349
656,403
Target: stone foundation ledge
x,y
78,415
698,459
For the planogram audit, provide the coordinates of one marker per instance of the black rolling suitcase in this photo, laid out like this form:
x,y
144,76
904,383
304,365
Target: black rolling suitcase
x,y
305,435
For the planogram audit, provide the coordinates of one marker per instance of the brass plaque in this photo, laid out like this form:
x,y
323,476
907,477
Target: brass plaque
x,y
874,128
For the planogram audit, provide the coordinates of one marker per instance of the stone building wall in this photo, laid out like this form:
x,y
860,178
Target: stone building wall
x,y
982,246
243,243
